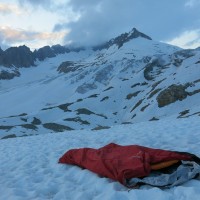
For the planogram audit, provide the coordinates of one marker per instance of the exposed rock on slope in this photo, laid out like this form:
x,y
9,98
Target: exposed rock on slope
x,y
7,74
68,66
172,94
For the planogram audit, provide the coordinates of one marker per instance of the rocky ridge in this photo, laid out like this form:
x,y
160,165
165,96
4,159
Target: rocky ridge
x,y
22,56
122,39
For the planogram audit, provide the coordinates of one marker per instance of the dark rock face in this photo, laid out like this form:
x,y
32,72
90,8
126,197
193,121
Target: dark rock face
x,y
77,119
9,136
44,52
172,94
50,52
1,51
76,49
29,126
5,75
150,71
58,49
120,40
186,53
67,67
123,38
18,56
36,121
153,119
179,56
57,127
98,128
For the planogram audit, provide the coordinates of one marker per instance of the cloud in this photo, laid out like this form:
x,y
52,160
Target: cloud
x,y
98,21
10,36
101,20
95,21
50,5
44,3
192,3
9,9
187,40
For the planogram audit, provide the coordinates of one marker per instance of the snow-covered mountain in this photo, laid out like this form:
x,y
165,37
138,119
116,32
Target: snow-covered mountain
x,y
129,79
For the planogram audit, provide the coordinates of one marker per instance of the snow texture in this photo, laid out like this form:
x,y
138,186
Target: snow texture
x,y
29,166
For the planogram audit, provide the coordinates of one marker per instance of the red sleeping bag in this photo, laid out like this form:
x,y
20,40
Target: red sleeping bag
x,y
120,162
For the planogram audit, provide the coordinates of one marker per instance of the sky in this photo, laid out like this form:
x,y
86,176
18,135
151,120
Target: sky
x,y
37,23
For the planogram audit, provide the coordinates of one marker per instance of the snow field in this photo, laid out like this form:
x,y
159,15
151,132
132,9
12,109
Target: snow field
x,y
40,90
29,168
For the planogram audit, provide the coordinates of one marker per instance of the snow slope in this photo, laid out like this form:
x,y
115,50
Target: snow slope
x,y
29,168
99,89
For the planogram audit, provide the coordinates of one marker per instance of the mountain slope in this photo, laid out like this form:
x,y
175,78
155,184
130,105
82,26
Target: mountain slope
x,y
130,79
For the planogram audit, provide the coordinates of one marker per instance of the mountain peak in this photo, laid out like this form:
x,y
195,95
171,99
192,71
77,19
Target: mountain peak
x,y
123,38
134,33
18,56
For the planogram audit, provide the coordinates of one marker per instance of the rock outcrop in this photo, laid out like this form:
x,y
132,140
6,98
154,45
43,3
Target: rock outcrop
x,y
67,67
17,56
123,38
58,49
7,75
44,52
22,56
172,94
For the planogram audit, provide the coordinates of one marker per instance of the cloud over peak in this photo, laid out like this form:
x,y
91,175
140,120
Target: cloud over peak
x,y
91,22
187,40
9,35
101,20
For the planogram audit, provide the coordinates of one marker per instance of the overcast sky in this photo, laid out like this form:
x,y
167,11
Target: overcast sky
x,y
36,23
